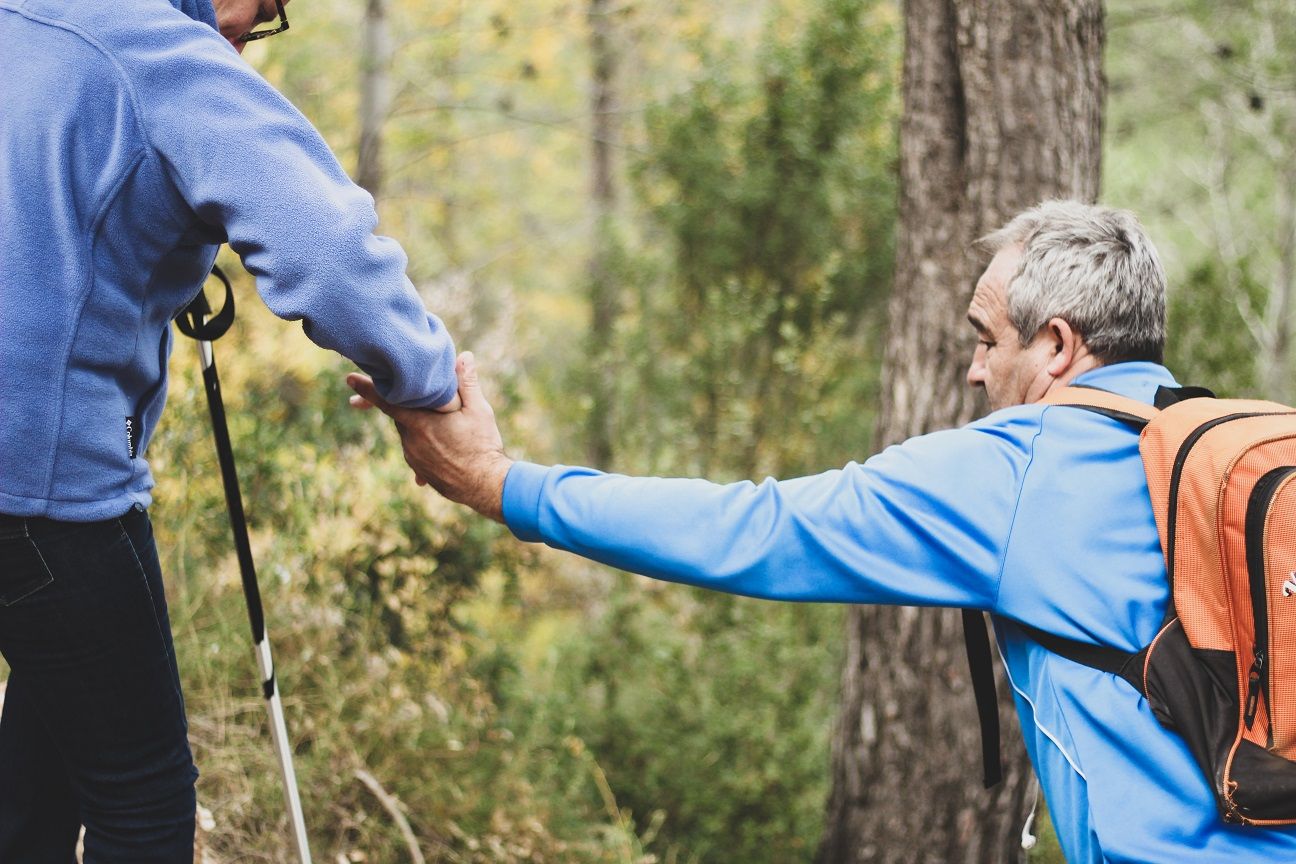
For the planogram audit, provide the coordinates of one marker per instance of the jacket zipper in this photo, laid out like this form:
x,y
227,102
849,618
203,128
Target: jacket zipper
x,y
1258,504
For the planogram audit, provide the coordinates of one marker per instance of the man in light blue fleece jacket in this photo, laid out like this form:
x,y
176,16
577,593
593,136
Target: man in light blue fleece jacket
x,y
133,141
1038,514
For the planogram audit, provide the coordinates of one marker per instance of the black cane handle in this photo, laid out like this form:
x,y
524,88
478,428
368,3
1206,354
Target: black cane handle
x,y
194,321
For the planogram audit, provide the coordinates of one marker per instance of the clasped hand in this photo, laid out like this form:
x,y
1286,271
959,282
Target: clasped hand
x,y
458,453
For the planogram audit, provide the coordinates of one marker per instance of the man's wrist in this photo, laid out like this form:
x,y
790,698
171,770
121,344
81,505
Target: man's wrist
x,y
491,484
523,491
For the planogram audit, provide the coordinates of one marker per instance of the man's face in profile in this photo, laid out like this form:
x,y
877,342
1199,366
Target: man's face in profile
x,y
1012,374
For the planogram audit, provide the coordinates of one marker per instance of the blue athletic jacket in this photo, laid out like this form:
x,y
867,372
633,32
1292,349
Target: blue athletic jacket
x,y
133,141
1037,514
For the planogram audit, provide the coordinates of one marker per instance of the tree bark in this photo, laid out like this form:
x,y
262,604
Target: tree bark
x,y
375,95
604,296
1002,109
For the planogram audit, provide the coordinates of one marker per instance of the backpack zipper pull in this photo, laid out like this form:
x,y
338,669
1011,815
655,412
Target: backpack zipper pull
x,y
1253,688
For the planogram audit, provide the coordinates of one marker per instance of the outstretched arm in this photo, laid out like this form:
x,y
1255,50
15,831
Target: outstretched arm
x,y
924,523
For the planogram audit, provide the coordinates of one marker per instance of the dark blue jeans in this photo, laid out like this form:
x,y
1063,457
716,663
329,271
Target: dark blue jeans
x,y
93,730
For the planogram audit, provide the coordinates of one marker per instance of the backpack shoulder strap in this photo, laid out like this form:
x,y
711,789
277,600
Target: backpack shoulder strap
x,y
976,638
1123,664
1135,413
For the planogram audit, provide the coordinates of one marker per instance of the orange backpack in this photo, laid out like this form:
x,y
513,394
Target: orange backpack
x,y
1221,671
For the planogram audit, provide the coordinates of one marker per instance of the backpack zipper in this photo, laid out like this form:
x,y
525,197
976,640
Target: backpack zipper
x,y
1262,495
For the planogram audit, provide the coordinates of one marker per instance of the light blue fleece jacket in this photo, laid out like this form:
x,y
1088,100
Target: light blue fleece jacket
x,y
1037,514
133,141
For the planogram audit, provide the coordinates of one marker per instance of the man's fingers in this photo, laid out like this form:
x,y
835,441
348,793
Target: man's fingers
x,y
364,386
450,407
469,385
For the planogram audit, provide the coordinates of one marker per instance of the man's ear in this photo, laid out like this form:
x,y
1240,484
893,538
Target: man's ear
x,y
1066,346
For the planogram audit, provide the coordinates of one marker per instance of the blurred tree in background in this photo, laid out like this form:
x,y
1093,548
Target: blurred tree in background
x,y
667,230
1202,144
1003,106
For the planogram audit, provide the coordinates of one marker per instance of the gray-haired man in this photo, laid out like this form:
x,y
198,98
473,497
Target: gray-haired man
x,y
1038,514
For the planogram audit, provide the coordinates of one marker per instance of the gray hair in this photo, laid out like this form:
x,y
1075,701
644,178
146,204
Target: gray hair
x,y
1095,268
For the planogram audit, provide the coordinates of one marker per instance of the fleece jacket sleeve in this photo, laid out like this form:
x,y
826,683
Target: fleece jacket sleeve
x,y
246,161
923,523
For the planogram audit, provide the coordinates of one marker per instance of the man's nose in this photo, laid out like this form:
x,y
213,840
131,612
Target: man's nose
x,y
976,371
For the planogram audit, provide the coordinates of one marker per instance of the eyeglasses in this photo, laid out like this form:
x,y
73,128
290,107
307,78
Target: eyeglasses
x,y
254,35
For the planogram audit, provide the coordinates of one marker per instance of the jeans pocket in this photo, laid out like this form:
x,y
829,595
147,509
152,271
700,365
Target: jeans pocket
x,y
23,571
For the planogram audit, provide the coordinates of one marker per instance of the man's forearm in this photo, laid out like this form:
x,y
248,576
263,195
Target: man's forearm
x,y
906,528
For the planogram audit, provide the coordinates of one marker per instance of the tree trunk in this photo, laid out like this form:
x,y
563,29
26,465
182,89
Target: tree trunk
x,y
1002,108
375,95
604,295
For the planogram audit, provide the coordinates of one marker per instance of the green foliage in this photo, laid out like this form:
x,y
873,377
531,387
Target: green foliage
x,y
708,714
778,196
1209,345
369,584
1202,125
371,659
753,349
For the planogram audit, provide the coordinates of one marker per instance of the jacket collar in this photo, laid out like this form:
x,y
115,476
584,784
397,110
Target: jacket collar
x,y
1134,380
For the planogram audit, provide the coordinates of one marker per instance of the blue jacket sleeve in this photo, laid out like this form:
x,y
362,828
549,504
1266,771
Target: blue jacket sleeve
x,y
246,161
923,523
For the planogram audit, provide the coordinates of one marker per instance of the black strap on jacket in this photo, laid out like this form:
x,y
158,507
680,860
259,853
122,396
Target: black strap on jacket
x,y
1123,664
976,637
